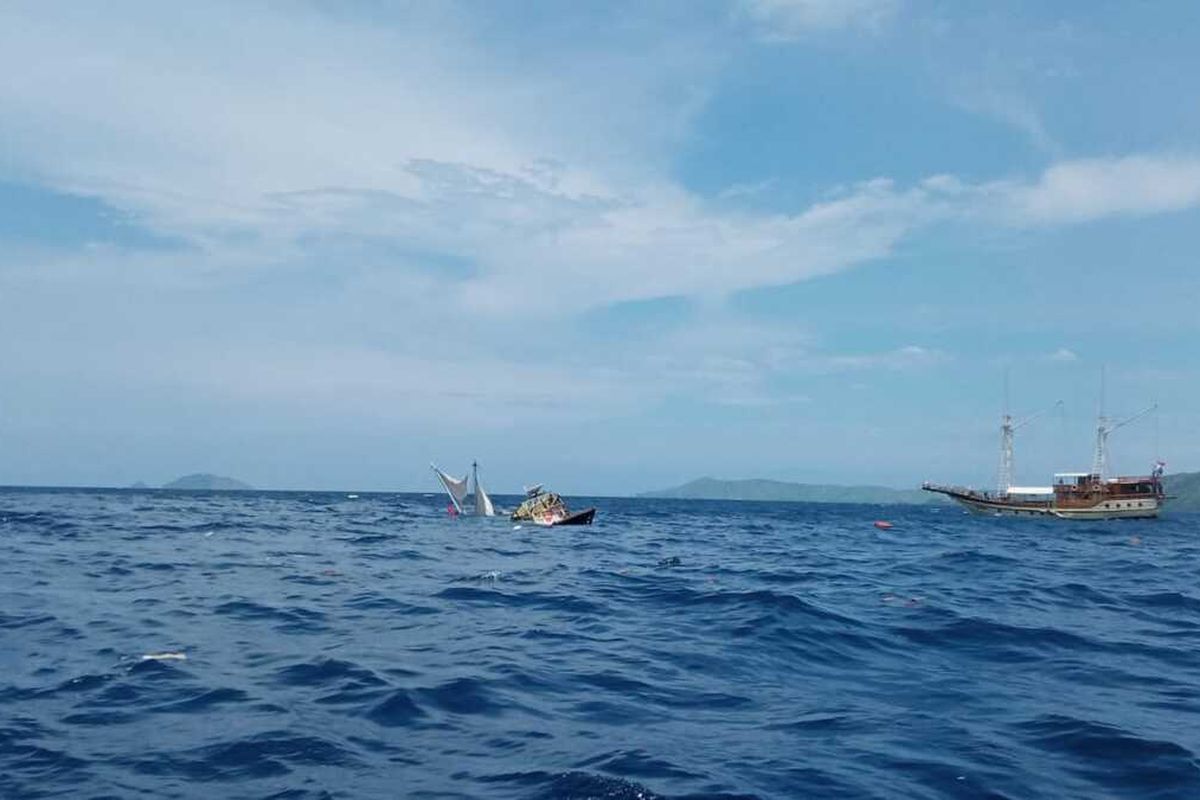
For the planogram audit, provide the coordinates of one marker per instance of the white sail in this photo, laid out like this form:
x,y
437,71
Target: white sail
x,y
483,503
455,487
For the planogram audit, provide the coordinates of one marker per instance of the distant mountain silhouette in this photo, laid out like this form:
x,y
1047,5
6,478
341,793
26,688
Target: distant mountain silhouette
x,y
1184,489
202,481
140,485
784,492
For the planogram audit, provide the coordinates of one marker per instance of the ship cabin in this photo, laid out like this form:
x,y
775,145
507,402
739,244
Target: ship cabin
x,y
1070,486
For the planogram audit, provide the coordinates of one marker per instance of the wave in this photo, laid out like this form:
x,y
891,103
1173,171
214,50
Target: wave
x,y
375,648
291,620
263,755
1113,756
398,709
539,600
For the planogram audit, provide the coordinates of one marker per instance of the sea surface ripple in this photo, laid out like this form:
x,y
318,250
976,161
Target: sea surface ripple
x,y
315,645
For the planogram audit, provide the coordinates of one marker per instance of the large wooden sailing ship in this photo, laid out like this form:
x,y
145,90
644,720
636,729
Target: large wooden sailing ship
x,y
1073,495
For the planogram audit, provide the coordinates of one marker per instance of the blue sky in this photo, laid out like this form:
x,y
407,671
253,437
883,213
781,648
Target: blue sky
x,y
608,246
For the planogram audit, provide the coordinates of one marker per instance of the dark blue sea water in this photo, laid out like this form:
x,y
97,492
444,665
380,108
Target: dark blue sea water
x,y
374,648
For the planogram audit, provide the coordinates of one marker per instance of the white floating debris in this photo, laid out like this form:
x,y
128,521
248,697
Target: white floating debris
x,y
517,527
351,497
165,657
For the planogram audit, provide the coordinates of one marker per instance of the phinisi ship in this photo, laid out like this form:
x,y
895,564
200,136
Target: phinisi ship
x,y
1073,495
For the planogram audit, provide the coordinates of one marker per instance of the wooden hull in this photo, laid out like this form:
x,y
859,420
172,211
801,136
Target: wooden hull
x,y
1113,509
579,518
1005,509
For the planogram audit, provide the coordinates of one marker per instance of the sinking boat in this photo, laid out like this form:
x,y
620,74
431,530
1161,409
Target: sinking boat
x,y
547,508
459,489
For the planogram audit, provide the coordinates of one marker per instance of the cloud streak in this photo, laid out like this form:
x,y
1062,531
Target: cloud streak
x,y
1092,189
794,20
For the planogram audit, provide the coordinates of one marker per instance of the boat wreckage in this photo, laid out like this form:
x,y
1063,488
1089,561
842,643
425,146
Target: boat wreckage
x,y
458,489
547,508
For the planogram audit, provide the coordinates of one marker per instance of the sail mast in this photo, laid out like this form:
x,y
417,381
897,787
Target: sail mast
x,y
1005,473
483,503
1100,458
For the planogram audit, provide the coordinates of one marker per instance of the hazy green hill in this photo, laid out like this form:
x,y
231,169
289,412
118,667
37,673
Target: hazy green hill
x,y
204,481
784,492
1185,488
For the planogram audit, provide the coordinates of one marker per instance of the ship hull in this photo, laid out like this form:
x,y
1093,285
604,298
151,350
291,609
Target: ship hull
x,y
988,508
1113,509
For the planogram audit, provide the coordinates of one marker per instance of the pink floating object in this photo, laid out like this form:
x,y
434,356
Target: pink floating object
x,y
883,526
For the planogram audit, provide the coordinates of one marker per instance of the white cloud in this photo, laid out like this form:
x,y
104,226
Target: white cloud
x,y
902,358
1062,356
790,20
1005,105
1071,192
194,123
453,209
1091,189
414,140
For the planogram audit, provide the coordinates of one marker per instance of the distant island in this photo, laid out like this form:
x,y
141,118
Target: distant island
x,y
1184,490
202,481
784,492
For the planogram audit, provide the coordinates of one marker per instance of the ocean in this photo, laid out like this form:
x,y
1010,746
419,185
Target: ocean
x,y
313,645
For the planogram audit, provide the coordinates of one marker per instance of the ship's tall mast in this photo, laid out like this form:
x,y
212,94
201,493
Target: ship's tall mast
x,y
1100,460
1100,457
1004,478
1103,429
1005,473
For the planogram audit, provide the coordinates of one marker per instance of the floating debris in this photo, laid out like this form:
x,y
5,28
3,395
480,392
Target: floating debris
x,y
672,561
164,657
883,525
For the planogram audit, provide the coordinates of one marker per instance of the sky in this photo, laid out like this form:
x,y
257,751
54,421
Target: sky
x,y
608,246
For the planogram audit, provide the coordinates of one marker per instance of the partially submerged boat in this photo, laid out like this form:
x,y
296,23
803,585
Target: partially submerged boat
x,y
547,508
459,489
1073,495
